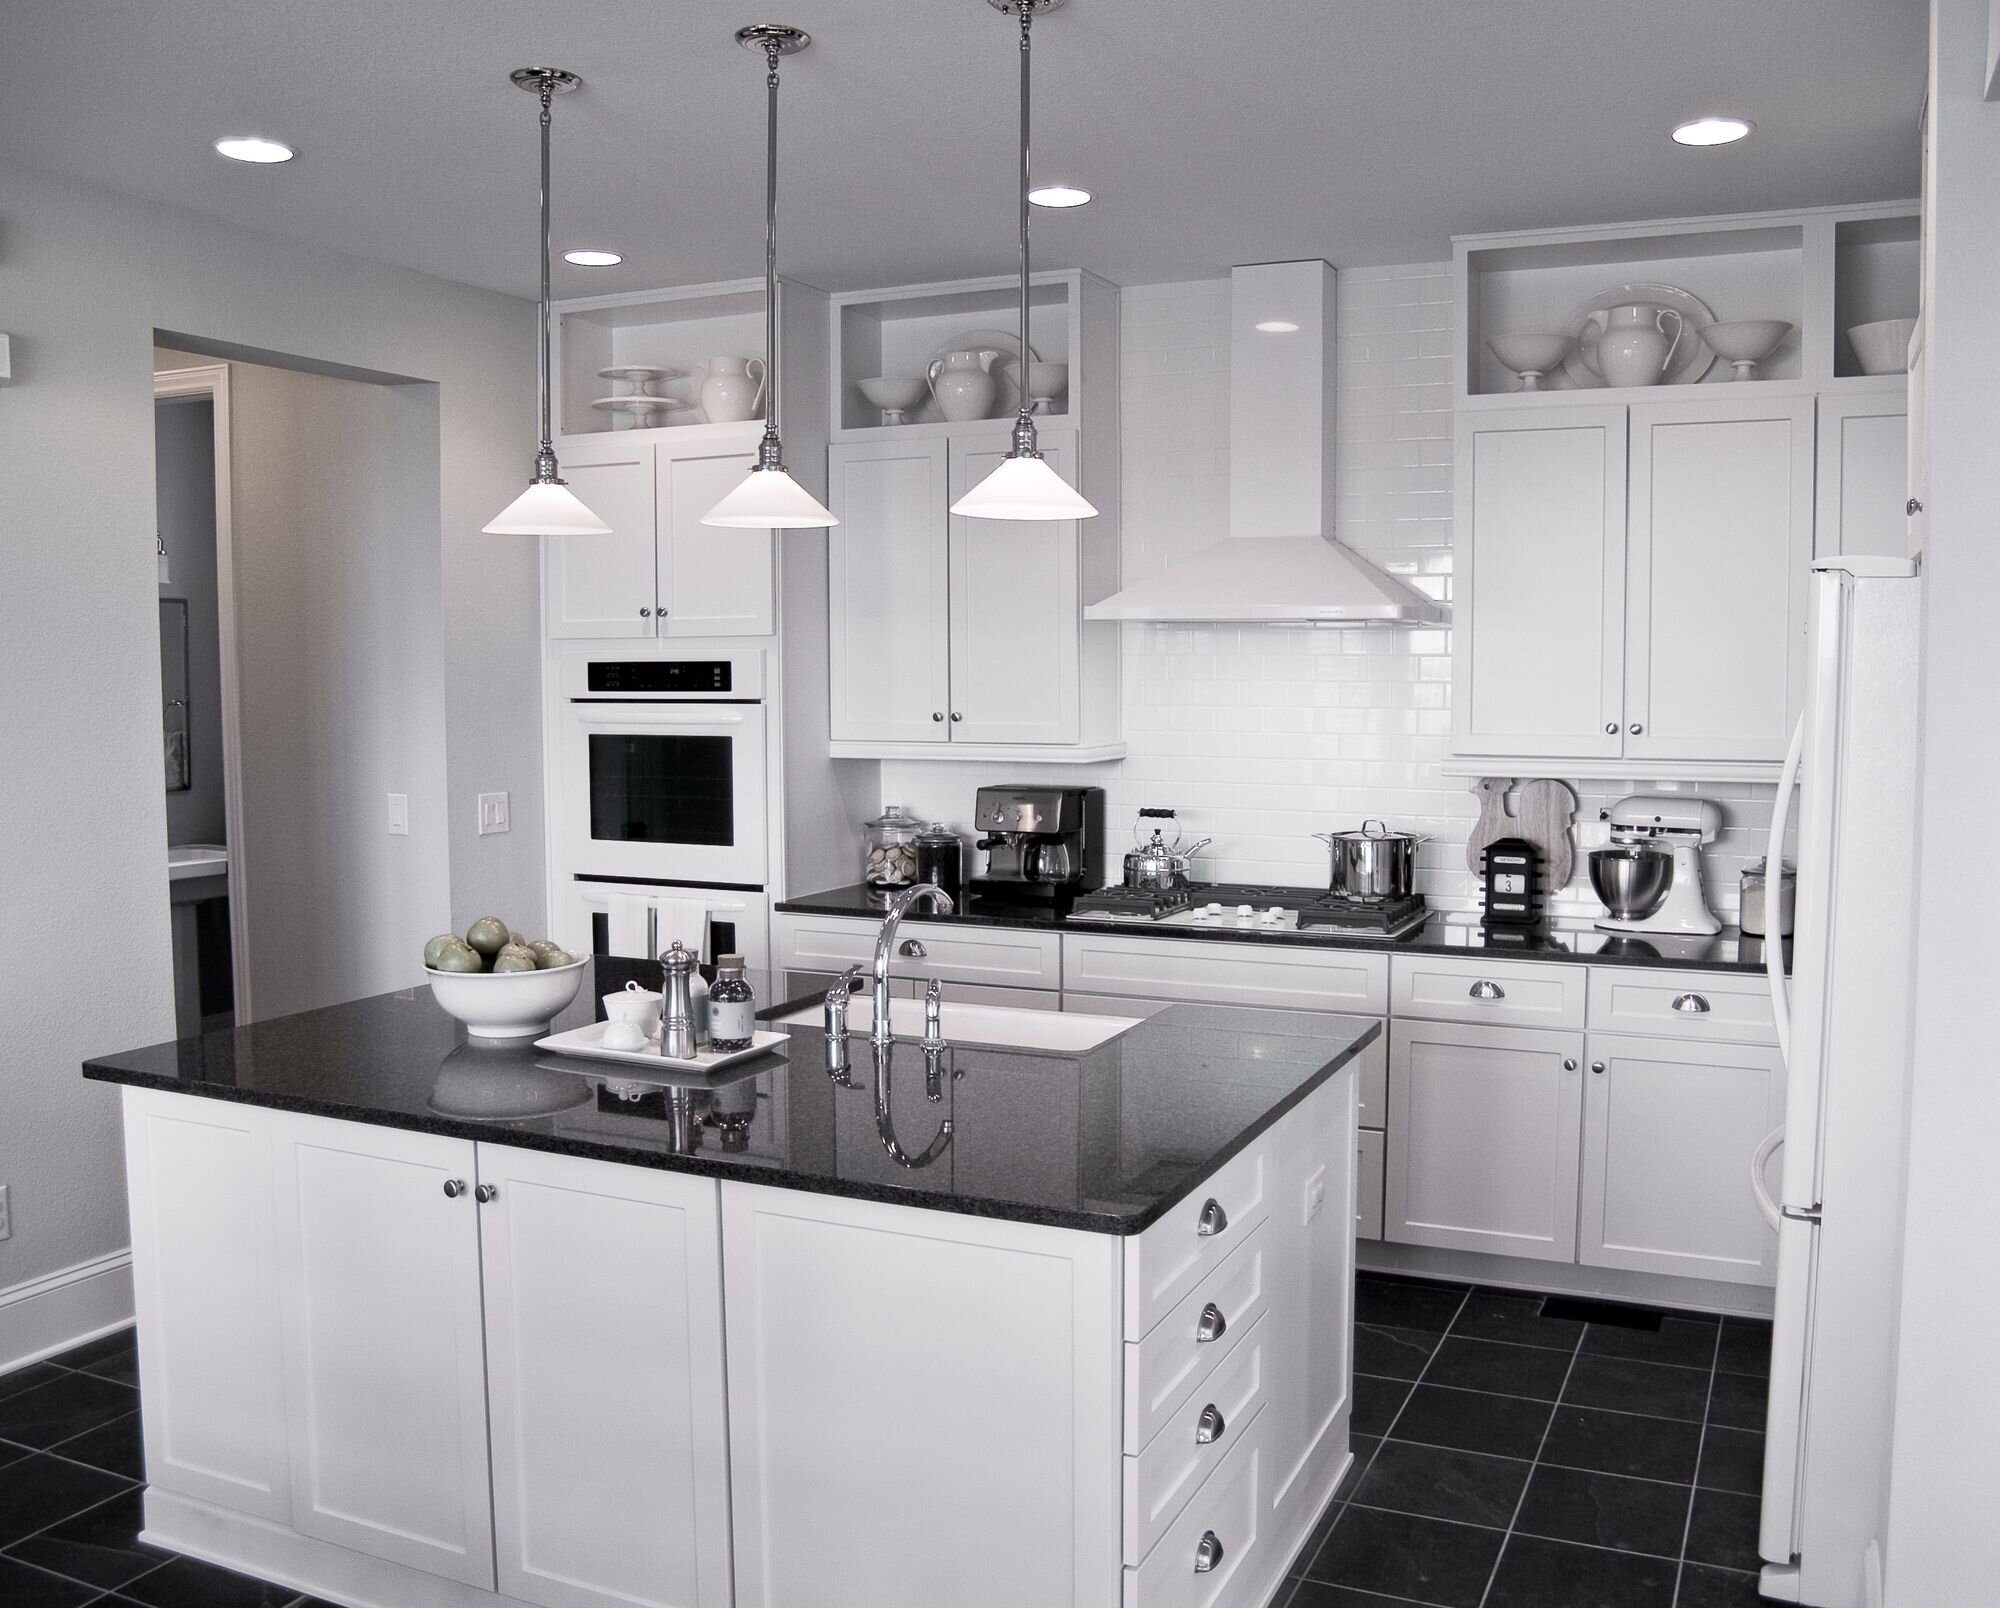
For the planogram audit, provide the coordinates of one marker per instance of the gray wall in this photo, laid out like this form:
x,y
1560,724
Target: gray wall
x,y
86,278
184,446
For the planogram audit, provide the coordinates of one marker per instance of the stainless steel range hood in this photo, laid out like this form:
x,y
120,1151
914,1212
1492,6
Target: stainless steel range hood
x,y
1280,561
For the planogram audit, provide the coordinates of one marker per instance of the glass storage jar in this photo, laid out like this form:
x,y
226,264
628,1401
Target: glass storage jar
x,y
889,862
1759,907
941,859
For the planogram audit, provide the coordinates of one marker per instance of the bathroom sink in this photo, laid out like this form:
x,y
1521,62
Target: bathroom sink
x,y
1059,1031
196,860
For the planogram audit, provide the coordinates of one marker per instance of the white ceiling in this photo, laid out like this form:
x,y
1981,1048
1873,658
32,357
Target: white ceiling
x,y
1364,131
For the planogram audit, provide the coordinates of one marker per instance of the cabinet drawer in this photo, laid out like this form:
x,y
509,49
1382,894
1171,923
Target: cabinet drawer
x,y
1227,974
1224,1522
1165,1370
1161,1479
1511,992
1368,1184
1171,1257
999,956
1669,1004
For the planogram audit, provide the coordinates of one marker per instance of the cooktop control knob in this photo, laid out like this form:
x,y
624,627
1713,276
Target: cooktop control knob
x,y
1245,910
1211,910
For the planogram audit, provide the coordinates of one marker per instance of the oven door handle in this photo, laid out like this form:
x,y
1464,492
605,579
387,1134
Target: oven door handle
x,y
662,728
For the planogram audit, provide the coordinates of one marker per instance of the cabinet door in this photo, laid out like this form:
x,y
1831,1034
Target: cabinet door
x,y
1015,612
603,586
1668,1132
923,1407
889,602
712,582
1483,1138
1864,472
1539,604
604,1354
385,1381
205,1286
1720,541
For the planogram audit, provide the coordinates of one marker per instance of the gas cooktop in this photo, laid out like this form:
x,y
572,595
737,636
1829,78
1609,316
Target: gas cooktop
x,y
1253,908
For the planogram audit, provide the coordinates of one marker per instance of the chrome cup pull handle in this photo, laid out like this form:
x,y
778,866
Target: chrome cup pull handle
x,y
1691,1005
1213,1325
1207,1552
1209,1427
1485,988
1213,1220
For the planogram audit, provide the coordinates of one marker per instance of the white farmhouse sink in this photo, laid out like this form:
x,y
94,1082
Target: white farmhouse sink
x,y
1060,1031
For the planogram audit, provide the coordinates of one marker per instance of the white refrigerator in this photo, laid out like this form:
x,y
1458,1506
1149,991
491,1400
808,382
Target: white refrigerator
x,y
1844,1029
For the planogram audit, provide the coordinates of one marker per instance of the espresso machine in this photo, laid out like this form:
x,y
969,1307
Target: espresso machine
x,y
1649,880
1042,845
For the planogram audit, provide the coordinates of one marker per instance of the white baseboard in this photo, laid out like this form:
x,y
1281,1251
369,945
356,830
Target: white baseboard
x,y
1567,1278
50,1314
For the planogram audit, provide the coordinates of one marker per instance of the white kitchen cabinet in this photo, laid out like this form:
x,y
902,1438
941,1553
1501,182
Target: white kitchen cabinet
x,y
1719,540
603,1289
1482,1140
1668,1132
660,572
1368,1194
385,1376
1184,970
989,957
1864,471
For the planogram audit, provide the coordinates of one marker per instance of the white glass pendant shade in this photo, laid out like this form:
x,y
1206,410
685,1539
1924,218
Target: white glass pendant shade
x,y
547,508
1024,488
770,499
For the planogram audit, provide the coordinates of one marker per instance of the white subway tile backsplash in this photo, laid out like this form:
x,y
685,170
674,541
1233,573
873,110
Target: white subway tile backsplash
x,y
1261,735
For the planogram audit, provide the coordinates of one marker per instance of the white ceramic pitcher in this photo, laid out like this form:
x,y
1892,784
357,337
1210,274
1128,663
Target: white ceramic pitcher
x,y
733,389
963,383
1635,348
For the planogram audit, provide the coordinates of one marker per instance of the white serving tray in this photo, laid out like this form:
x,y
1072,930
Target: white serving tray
x,y
588,1042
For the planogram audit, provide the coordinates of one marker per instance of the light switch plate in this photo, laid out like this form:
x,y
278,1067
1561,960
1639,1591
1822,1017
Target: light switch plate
x,y
492,813
1315,1194
399,815
6,1214
6,360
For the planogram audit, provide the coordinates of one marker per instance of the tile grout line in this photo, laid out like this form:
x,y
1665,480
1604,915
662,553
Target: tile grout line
x,y
1507,1395
1534,1463
1694,1485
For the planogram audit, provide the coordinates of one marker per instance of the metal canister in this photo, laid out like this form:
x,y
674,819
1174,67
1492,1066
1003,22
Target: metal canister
x,y
941,859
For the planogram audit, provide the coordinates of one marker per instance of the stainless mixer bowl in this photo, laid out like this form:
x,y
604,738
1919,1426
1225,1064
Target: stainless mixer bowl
x,y
1630,880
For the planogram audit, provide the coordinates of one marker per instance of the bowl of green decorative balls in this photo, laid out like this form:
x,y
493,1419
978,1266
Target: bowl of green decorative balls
x,y
500,984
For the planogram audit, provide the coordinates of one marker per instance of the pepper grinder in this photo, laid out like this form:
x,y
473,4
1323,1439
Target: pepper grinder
x,y
677,1041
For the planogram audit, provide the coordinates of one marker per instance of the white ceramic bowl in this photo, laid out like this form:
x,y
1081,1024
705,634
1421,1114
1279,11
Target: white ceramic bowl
x,y
1531,355
896,395
1745,340
505,1005
1047,380
1884,347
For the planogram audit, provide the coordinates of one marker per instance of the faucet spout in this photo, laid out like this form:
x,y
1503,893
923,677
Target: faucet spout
x,y
885,947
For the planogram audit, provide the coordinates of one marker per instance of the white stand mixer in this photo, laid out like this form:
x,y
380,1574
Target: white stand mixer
x,y
1650,879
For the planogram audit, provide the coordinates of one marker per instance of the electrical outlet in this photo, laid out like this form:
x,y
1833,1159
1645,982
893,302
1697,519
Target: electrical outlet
x,y
1315,1194
492,813
6,1216
399,815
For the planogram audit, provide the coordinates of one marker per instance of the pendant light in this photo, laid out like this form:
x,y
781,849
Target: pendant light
x,y
1024,486
768,497
548,507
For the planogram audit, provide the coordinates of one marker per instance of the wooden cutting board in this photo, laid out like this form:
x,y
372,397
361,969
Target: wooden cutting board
x,y
1542,816
1491,791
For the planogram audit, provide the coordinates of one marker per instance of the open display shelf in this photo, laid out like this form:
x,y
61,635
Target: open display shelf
x,y
679,329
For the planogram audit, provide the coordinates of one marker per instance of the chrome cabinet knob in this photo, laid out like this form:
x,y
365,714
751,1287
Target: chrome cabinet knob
x,y
1209,1427
910,949
1213,1220
1213,1325
937,714
956,716
645,614
1635,728
1207,1552
1597,1067
1485,988
1569,1063
1611,728
1914,506
453,1188
485,1192
1691,1005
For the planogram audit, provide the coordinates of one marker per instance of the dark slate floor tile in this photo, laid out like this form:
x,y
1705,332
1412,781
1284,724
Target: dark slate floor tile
x,y
41,1490
1746,1348
1637,1387
10,1453
63,1407
114,1447
1605,1510
100,1544
1706,1587
1399,1554
190,1583
1623,1443
1406,1303
1363,1448
22,1586
1724,1529
1684,1342
1376,1403
1504,1370
1392,1353
1505,1426
113,1347
1440,1484
1538,1573
1739,1401
1318,1594
32,1377
1505,1315
1732,1460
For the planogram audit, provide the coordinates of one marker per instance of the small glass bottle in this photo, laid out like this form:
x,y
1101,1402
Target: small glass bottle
x,y
890,863
941,859
732,1007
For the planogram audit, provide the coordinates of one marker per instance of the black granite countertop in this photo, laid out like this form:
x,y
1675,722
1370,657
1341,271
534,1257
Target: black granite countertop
x,y
1443,934
1105,1141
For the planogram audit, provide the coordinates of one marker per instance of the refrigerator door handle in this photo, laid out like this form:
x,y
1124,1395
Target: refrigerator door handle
x,y
1767,1206
1774,944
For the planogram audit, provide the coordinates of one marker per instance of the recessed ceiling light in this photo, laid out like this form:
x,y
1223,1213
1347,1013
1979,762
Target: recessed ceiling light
x,y
1712,130
592,259
253,148
1278,326
1058,195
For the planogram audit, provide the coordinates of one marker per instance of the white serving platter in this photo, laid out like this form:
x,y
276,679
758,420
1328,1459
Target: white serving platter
x,y
588,1043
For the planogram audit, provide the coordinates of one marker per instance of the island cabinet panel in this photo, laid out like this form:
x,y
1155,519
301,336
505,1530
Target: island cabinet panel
x,y
1193,1238
605,1382
205,1285
385,1376
923,1406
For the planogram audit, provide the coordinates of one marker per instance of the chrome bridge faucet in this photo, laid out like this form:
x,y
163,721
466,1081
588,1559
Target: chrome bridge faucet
x,y
885,947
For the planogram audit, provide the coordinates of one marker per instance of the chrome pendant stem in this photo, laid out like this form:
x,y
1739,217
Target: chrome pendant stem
x,y
546,83
1024,427
774,39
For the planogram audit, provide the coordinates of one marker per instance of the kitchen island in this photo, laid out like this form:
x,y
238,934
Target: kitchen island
x,y
426,1320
